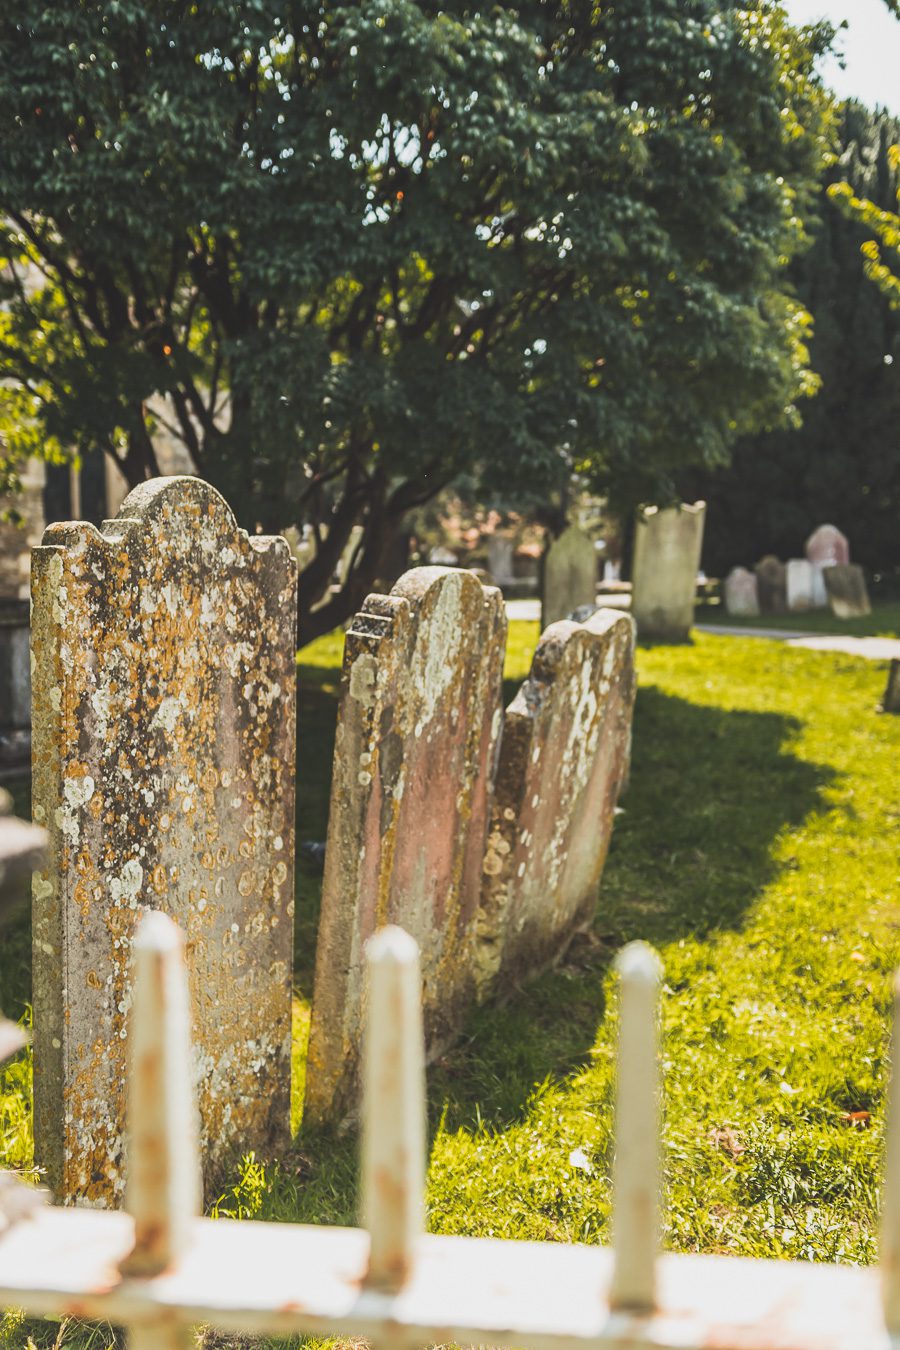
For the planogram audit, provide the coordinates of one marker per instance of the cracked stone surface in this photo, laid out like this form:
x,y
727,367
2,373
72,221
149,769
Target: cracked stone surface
x,y
417,736
164,747
564,758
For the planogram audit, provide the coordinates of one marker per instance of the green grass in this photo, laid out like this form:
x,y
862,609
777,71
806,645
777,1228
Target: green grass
x,y
758,852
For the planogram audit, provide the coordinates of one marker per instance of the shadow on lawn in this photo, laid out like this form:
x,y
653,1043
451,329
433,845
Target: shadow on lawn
x,y
710,792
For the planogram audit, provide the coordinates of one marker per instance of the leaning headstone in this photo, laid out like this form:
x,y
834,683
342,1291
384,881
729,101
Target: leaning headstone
x,y
164,745
847,593
667,547
827,547
771,582
563,760
741,593
891,701
414,755
799,585
569,576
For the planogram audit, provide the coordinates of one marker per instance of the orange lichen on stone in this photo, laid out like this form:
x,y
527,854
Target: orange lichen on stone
x,y
163,660
563,761
414,757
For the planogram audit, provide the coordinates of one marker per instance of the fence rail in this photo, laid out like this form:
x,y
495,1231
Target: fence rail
x,y
158,1269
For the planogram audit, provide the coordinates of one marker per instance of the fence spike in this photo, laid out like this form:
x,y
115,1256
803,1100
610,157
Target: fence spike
x,y
163,1178
393,1138
635,1215
889,1253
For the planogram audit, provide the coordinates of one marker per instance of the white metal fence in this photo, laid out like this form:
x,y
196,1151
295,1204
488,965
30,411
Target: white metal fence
x,y
158,1269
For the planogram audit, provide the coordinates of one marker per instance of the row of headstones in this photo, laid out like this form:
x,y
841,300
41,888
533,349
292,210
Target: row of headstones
x,y
667,546
164,764
824,577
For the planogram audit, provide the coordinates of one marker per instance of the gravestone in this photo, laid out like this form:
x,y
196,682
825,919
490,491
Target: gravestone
x,y
667,547
771,582
569,576
564,758
500,558
847,593
891,701
416,742
741,592
799,585
164,745
827,547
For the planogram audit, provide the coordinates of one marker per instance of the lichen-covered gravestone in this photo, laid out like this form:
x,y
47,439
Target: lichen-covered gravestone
x,y
667,548
164,748
414,758
848,595
569,576
564,758
771,580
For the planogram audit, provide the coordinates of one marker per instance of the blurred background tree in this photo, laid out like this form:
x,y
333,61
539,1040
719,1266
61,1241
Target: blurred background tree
x,y
843,464
345,253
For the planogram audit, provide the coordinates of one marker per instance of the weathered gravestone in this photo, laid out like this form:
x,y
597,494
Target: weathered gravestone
x,y
667,547
771,582
847,592
500,549
891,701
563,760
827,547
741,592
414,757
164,746
569,575
800,587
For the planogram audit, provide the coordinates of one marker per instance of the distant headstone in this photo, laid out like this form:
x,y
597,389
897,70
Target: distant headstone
x,y
847,593
19,535
771,580
667,548
500,558
164,660
827,547
800,580
569,576
563,760
741,592
891,701
417,736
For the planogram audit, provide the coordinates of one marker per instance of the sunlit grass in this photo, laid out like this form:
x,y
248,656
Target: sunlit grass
x,y
758,852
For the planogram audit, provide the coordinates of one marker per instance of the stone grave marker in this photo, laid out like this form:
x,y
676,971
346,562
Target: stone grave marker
x,y
569,575
564,758
741,592
415,751
164,746
667,547
891,701
800,582
500,549
847,592
827,547
771,581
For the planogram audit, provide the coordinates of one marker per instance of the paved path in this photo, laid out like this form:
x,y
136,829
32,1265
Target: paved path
x,y
870,648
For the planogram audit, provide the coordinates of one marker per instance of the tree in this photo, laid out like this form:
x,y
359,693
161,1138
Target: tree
x,y
363,248
842,465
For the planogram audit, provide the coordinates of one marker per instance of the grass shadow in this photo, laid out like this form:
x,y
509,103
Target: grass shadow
x,y
711,791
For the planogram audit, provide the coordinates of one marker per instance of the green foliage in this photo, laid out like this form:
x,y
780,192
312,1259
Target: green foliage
x,y
361,249
843,464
